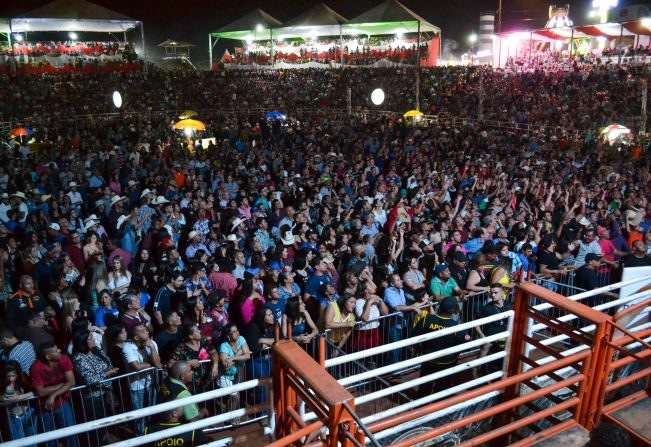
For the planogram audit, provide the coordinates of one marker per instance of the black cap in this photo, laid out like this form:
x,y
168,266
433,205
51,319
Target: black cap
x,y
592,257
449,305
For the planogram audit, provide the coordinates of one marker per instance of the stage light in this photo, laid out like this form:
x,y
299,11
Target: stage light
x,y
377,96
117,99
73,36
19,38
249,39
259,27
188,132
472,38
646,22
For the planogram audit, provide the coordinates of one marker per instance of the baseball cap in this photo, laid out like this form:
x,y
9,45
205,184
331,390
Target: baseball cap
x,y
448,305
459,256
441,268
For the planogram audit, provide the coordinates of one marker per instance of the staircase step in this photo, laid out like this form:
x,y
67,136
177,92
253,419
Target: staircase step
x,y
636,418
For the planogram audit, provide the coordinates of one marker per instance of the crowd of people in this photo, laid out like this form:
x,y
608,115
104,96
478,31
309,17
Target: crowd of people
x,y
124,246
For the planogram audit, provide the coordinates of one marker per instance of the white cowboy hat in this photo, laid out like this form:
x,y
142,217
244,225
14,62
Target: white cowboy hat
x,y
236,223
131,183
231,238
4,195
289,238
116,199
91,217
121,220
99,203
88,224
159,200
169,230
72,184
634,217
55,226
145,192
192,234
20,195
46,197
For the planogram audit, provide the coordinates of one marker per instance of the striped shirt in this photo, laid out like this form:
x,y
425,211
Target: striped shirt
x,y
22,352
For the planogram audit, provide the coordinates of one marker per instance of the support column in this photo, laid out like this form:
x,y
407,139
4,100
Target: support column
x,y
209,51
418,69
144,47
619,52
341,45
271,41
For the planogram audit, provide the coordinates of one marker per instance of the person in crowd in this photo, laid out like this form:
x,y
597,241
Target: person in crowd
x,y
442,319
140,353
369,307
174,418
196,350
15,350
495,306
443,285
119,277
175,386
22,417
296,317
93,367
52,376
233,352
106,313
260,336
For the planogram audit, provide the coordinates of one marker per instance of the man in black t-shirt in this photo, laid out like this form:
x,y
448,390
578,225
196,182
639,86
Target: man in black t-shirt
x,y
442,319
458,269
172,419
638,258
494,307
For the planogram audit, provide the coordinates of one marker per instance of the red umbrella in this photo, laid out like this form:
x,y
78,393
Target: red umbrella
x,y
21,132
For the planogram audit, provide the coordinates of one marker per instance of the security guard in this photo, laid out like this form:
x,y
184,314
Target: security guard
x,y
172,419
444,318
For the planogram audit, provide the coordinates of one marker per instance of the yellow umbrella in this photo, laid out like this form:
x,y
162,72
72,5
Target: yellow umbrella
x,y
190,124
413,113
188,114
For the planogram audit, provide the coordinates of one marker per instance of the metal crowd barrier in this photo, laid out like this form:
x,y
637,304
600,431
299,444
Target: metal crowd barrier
x,y
23,418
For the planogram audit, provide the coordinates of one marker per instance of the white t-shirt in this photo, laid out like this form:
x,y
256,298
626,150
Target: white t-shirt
x,y
374,314
130,353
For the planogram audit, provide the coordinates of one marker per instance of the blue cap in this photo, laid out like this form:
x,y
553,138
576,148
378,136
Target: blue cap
x,y
441,268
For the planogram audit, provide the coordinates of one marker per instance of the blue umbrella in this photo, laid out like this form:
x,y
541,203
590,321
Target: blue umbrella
x,y
275,116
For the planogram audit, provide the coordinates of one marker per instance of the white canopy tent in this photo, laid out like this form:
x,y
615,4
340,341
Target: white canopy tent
x,y
75,15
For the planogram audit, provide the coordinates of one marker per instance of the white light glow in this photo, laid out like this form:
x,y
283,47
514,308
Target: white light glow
x,y
377,96
117,99
259,27
19,37
188,132
472,38
72,35
646,22
249,39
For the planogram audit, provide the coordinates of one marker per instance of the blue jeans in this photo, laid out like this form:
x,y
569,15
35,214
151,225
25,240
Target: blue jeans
x,y
395,334
259,367
141,399
60,418
22,426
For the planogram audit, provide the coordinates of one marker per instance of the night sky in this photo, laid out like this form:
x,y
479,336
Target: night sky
x,y
191,20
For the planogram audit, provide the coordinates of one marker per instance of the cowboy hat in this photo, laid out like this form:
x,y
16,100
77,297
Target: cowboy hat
x,y
634,217
131,183
99,203
169,230
145,192
46,197
20,195
4,196
116,199
192,234
236,223
231,238
121,220
72,184
159,200
289,238
91,217
89,224
55,226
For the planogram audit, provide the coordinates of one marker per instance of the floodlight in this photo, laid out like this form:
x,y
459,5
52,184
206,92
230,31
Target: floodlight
x,y
188,132
259,27
377,96
73,35
117,99
19,37
472,38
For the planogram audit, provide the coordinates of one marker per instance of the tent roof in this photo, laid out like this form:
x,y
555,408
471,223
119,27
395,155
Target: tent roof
x,y
174,43
606,30
320,15
390,17
72,15
244,26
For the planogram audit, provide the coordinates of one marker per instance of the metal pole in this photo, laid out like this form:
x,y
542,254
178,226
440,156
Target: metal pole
x,y
9,36
418,69
209,51
499,17
349,101
644,100
271,38
144,47
341,45
572,43
619,51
